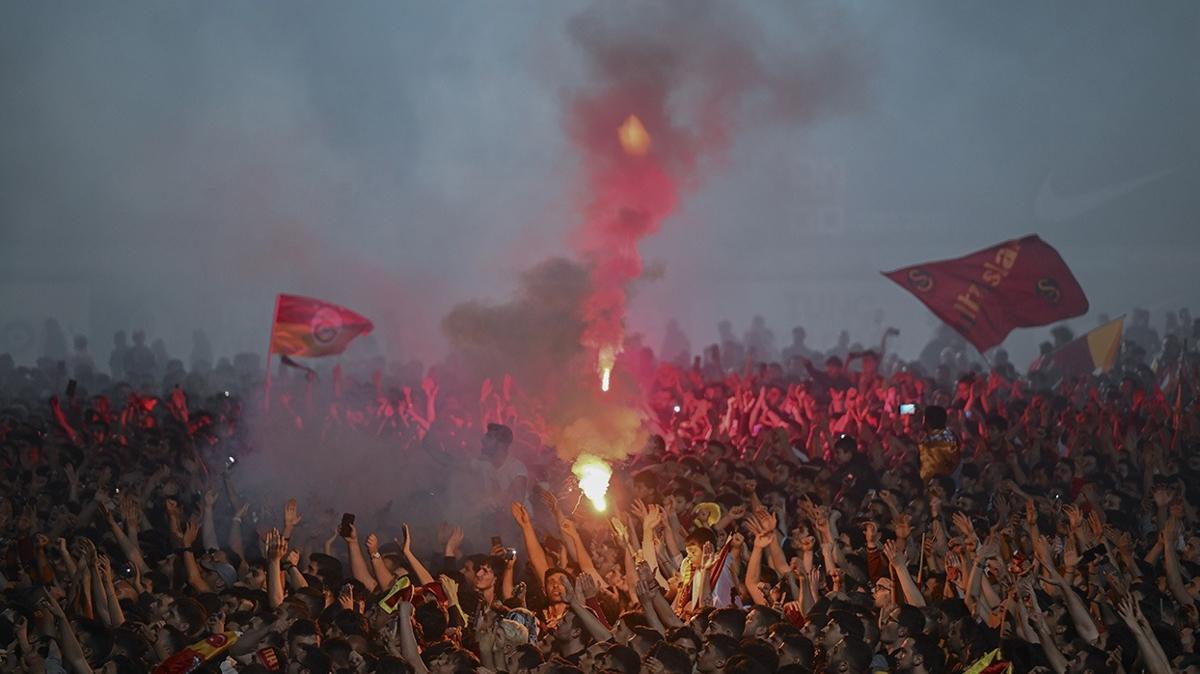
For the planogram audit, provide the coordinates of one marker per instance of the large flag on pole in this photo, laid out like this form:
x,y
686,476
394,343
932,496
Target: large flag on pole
x,y
311,328
1097,350
1021,283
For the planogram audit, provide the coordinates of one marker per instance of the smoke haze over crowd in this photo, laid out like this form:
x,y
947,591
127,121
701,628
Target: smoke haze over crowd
x,y
174,167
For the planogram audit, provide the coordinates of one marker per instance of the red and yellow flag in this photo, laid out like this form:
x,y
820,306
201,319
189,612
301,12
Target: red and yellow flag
x,y
1097,350
312,328
1021,283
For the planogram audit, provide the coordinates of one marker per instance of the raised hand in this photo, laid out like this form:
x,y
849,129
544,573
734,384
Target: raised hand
x,y
639,509
1074,516
191,532
346,597
895,554
210,498
964,526
568,528
276,546
291,514
550,500
372,543
585,586
450,586
520,514
764,540
990,549
454,542
653,517
405,541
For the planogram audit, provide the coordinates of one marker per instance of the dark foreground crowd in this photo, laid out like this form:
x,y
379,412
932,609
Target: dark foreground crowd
x,y
821,513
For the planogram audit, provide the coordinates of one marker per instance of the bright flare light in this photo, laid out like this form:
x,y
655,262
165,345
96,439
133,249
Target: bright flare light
x,y
633,136
593,474
606,360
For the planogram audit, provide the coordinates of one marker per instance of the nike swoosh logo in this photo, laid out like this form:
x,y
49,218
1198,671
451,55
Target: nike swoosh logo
x,y
1050,206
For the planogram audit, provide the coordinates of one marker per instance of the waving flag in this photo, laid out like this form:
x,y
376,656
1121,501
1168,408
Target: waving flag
x,y
312,328
1021,283
1097,350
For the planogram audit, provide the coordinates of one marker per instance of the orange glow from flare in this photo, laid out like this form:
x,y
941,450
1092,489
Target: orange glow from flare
x,y
593,474
633,136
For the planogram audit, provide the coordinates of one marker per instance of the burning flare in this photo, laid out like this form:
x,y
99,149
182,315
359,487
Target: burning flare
x,y
593,474
607,358
633,136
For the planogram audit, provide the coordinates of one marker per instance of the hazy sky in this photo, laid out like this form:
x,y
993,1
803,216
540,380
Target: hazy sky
x,y
173,165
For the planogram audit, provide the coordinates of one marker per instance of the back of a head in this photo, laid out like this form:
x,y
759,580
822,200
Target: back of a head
x,y
857,655
743,664
932,655
725,646
731,620
673,658
762,652
798,648
528,657
433,621
624,659
935,417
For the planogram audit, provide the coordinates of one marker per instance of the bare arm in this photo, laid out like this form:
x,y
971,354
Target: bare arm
x,y
576,598
358,565
116,616
408,640
1079,613
754,568
1171,562
72,652
899,561
276,548
208,531
382,575
533,547
418,568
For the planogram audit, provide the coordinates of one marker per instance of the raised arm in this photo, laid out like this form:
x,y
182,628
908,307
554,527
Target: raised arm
x,y
208,529
358,565
1170,532
762,541
276,549
895,554
1079,613
585,588
408,640
418,568
71,650
533,547
382,575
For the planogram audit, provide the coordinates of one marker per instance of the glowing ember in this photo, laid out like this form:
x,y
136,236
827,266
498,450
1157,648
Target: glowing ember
x,y
607,358
593,474
634,139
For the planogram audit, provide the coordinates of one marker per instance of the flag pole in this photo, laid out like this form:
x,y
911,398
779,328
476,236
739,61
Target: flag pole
x,y
270,345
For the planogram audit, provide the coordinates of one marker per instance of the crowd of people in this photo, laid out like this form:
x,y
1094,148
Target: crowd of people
x,y
792,510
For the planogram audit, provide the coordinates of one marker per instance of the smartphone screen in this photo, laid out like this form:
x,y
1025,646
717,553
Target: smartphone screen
x,y
347,522
908,408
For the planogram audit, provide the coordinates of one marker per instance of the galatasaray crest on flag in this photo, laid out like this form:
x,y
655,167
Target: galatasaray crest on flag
x,y
312,328
1021,283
